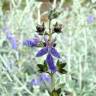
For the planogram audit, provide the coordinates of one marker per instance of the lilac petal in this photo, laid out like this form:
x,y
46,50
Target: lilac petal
x,y
12,40
33,42
55,53
30,43
90,19
6,29
35,82
50,62
42,52
45,77
9,35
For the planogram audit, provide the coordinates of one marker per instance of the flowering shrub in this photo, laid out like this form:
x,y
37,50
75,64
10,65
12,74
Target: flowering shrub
x,y
47,51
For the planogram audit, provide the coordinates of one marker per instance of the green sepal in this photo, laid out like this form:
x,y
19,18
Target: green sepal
x,y
62,71
56,92
61,66
40,44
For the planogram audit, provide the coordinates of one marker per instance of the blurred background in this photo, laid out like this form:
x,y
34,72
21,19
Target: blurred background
x,y
76,44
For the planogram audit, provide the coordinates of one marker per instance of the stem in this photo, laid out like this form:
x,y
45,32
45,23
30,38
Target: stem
x,y
50,33
50,38
54,4
49,25
39,15
52,81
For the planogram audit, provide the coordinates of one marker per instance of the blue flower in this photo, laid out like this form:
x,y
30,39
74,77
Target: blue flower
x,y
32,42
51,52
44,77
10,37
90,19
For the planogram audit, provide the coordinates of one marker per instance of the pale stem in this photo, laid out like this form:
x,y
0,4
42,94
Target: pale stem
x,y
14,4
39,15
85,50
52,81
54,4
61,3
69,54
80,72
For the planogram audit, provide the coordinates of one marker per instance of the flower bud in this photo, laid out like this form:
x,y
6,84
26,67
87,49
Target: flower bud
x,y
40,29
54,45
57,28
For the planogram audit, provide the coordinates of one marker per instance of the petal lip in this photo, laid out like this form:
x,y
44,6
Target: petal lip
x,y
55,53
30,43
50,62
42,52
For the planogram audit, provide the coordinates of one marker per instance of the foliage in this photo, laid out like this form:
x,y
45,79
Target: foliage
x,y
76,44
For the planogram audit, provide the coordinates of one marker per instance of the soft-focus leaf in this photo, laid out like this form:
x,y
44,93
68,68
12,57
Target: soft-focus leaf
x,y
6,6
